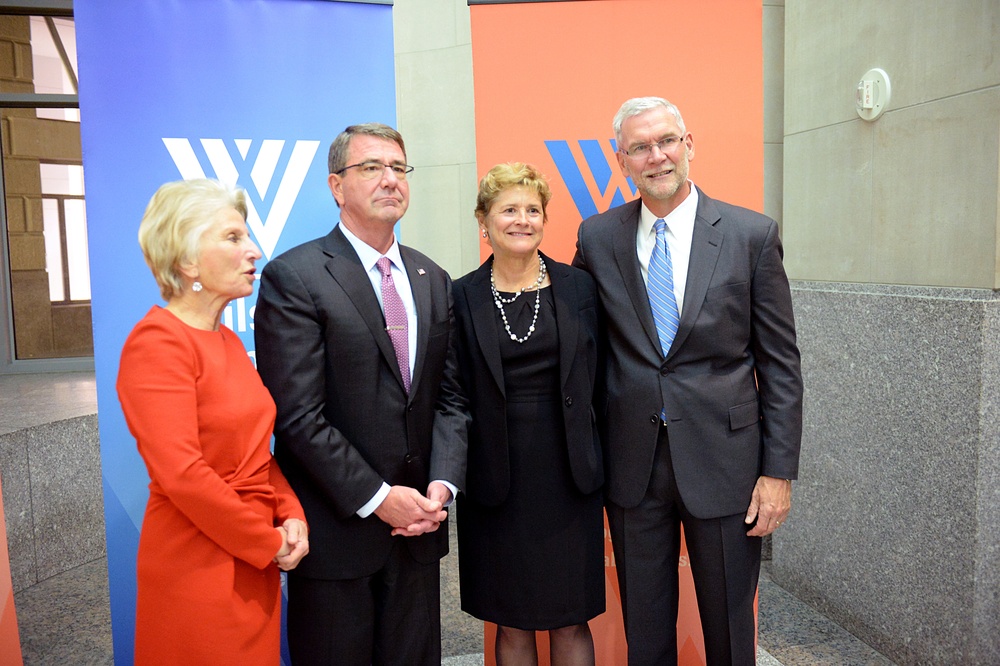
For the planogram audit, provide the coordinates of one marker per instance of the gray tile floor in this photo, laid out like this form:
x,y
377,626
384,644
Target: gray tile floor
x,y
66,619
31,400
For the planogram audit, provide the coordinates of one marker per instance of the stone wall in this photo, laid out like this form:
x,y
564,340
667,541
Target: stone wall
x,y
894,531
52,498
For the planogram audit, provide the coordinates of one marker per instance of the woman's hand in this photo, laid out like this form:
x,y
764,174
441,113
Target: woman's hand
x,y
295,544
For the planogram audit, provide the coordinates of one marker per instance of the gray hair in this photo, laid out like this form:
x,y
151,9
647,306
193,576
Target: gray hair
x,y
337,159
637,105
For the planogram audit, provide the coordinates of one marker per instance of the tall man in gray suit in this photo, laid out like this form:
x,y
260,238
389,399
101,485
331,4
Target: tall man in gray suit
x,y
701,399
352,334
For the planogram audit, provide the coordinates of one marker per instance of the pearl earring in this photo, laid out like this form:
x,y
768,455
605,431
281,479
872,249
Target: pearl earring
x,y
484,233
196,286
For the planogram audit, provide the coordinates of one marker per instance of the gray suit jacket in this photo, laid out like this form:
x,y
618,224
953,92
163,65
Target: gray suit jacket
x,y
730,383
345,422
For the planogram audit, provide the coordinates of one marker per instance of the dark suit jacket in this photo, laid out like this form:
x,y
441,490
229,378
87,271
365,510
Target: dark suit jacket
x,y
725,429
345,424
481,377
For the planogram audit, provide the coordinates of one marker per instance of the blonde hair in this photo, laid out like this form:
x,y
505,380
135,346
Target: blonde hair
x,y
175,218
508,175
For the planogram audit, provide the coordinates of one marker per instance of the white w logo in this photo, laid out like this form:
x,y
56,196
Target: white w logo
x,y
266,232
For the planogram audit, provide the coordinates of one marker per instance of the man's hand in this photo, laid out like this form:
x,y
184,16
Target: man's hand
x,y
770,503
409,513
296,544
440,492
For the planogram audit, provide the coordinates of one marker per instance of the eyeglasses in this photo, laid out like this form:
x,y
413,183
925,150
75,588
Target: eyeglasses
x,y
370,170
644,150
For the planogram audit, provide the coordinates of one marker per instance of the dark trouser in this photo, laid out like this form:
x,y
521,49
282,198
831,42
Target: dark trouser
x,y
391,617
725,563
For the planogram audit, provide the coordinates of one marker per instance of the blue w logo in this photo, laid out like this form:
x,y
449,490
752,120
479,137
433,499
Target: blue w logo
x,y
259,167
603,190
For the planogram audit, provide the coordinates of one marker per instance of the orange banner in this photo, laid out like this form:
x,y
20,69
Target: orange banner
x,y
549,77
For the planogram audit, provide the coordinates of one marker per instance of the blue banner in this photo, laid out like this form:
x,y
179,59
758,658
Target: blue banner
x,y
247,91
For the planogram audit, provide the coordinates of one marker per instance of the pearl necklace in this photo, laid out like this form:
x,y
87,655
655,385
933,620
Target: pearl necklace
x,y
499,301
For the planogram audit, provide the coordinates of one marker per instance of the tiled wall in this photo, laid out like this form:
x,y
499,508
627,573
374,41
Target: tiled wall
x,y
52,498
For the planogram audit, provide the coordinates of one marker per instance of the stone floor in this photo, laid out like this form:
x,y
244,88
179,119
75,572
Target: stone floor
x,y
32,400
66,619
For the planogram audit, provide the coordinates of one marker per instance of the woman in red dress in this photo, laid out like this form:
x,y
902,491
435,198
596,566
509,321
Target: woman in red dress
x,y
221,519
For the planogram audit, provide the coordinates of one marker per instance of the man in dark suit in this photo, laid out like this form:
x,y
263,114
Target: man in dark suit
x,y
352,334
700,405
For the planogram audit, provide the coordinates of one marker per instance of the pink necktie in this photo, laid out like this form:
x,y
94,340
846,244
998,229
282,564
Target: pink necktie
x,y
395,320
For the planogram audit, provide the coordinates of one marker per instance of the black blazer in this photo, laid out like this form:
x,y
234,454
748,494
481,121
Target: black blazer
x,y
730,383
345,423
481,379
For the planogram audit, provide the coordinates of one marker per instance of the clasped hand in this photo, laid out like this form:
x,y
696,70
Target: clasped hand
x,y
410,514
294,545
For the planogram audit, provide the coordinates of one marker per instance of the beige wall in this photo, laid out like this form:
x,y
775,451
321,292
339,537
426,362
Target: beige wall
x,y
910,199
774,102
434,104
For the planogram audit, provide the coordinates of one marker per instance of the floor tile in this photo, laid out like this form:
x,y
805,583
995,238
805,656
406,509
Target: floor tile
x,y
66,619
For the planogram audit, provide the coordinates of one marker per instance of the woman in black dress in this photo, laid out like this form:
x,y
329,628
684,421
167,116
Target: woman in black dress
x,y
530,525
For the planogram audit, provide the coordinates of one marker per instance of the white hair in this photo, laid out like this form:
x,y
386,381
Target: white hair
x,y
637,105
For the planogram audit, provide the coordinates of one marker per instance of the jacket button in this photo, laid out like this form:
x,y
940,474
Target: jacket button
x,y
569,401
664,370
655,418
407,458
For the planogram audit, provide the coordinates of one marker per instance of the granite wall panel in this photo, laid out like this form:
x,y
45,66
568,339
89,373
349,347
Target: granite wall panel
x,y
53,502
894,505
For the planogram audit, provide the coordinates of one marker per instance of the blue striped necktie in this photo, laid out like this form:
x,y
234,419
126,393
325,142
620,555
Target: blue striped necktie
x,y
661,289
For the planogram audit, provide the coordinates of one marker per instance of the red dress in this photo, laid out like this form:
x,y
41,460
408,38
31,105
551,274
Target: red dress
x,y
208,591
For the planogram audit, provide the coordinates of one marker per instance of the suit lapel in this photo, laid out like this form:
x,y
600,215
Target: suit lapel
x,y
628,265
420,286
345,267
567,322
705,246
481,308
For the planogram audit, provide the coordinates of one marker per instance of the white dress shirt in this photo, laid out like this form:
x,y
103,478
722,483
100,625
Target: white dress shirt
x,y
680,230
369,256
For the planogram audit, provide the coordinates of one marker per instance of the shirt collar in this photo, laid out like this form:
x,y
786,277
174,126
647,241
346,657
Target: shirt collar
x,y
684,214
369,255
